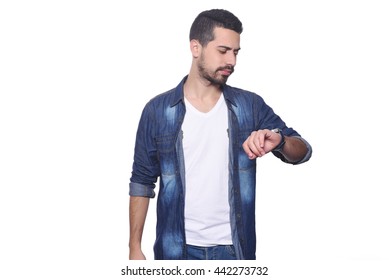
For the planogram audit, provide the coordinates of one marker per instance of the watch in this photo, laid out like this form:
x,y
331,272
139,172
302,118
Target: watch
x,y
278,148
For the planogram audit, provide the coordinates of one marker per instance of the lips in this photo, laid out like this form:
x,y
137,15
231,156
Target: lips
x,y
226,71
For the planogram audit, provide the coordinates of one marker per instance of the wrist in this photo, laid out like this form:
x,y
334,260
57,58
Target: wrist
x,y
280,145
135,245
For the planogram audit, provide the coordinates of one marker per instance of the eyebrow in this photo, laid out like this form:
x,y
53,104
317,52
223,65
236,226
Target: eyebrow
x,y
228,48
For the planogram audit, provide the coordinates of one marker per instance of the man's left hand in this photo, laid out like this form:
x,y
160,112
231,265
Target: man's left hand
x,y
260,142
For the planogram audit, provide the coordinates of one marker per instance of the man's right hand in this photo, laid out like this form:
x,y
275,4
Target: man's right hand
x,y
136,255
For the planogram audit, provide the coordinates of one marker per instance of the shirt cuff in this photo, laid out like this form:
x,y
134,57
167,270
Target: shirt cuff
x,y
141,190
309,151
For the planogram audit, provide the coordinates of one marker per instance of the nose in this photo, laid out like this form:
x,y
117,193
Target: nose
x,y
231,59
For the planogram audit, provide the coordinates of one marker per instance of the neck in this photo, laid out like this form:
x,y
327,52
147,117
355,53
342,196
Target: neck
x,y
200,88
203,96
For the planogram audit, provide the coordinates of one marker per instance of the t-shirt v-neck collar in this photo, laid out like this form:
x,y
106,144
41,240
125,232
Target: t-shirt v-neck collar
x,y
214,109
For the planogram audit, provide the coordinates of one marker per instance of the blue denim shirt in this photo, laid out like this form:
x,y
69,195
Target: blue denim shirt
x,y
159,154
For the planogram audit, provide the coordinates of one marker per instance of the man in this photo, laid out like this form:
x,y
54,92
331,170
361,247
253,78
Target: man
x,y
201,140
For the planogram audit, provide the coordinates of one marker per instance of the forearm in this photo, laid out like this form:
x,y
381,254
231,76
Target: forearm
x,y
137,214
294,149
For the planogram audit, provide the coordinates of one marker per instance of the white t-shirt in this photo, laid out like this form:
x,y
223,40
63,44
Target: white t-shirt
x,y
205,142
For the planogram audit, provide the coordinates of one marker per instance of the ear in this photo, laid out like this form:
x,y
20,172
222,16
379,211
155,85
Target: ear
x,y
195,48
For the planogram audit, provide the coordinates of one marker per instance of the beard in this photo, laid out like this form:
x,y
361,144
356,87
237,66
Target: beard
x,y
213,76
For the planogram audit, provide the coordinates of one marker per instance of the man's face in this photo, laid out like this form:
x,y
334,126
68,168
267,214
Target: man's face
x,y
218,59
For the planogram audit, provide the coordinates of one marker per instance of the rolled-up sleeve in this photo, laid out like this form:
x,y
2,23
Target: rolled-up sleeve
x,y
145,169
309,151
304,159
142,190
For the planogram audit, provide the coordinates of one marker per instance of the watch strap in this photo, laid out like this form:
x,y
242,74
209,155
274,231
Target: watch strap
x,y
279,147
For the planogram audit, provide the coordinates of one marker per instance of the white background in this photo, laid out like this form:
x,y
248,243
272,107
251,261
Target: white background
x,y
75,75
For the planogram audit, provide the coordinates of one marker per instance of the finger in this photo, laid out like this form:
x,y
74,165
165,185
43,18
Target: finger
x,y
246,147
255,144
251,145
261,139
260,142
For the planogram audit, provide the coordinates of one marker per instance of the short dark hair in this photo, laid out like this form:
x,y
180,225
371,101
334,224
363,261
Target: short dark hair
x,y
204,24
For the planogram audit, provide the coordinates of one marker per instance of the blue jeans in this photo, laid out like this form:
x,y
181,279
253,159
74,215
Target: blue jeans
x,y
220,252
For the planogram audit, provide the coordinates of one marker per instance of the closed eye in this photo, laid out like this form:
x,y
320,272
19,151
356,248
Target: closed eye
x,y
224,50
